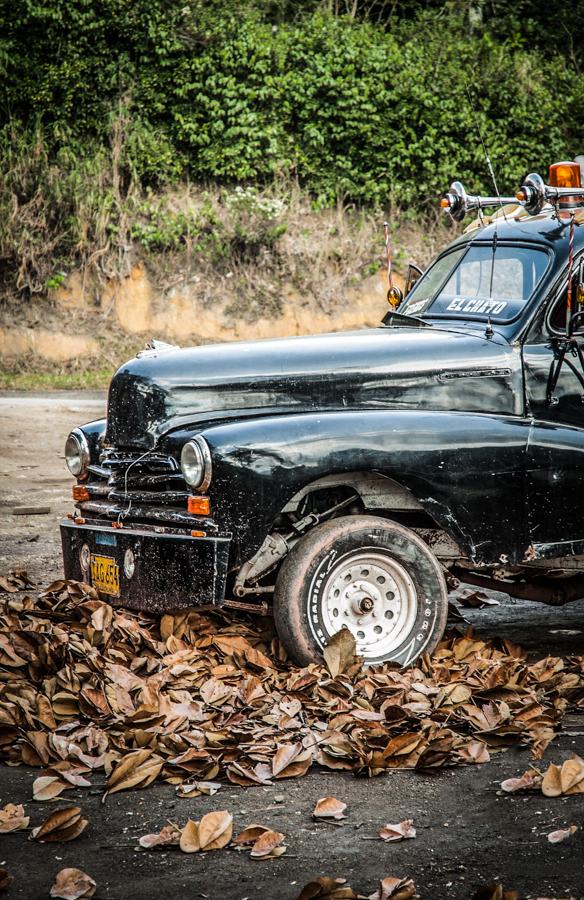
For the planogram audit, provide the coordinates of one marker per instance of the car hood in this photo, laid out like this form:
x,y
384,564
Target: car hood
x,y
401,367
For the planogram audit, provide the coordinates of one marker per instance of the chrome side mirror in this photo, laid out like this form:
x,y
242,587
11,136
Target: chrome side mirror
x,y
413,275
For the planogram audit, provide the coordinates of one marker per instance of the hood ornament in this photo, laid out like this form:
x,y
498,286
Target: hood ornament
x,y
155,346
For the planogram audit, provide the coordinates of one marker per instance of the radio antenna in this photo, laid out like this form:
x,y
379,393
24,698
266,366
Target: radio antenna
x,y
485,151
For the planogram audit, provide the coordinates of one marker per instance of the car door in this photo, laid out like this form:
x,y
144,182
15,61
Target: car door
x,y
555,452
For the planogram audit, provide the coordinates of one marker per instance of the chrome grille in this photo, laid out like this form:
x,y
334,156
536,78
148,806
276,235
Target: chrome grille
x,y
151,478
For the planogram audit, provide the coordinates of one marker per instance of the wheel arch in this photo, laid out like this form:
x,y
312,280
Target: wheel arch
x,y
384,496
375,490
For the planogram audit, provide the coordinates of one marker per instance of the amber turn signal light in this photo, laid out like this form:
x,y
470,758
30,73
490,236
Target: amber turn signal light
x,y
445,203
80,493
198,534
521,196
199,506
565,175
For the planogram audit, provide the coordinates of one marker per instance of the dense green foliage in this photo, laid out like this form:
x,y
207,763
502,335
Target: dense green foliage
x,y
107,104
250,91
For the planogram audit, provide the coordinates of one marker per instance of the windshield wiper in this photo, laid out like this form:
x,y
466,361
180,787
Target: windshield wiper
x,y
407,320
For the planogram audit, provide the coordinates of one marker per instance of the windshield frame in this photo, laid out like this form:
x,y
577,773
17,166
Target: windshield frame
x,y
482,318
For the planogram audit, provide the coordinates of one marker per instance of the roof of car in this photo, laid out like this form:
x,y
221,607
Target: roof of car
x,y
548,230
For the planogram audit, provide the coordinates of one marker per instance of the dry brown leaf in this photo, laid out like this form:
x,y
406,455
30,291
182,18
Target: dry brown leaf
x,y
476,599
215,830
168,836
291,760
572,775
73,884
268,845
70,774
551,785
62,825
16,580
325,888
339,652
47,787
215,692
237,644
474,752
329,808
197,788
554,837
565,779
249,835
284,756
403,744
137,769
12,818
245,776
526,782
189,839
398,832
391,888
7,585
453,694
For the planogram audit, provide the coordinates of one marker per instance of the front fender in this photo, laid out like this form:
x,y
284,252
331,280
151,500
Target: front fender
x,y
94,432
467,470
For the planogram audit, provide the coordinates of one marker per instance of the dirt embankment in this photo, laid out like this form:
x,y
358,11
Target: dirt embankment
x,y
205,266
100,324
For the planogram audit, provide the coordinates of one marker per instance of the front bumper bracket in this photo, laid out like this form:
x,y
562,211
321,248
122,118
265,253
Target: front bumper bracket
x,y
171,571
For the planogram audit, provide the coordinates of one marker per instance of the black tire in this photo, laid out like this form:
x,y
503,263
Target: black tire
x,y
313,575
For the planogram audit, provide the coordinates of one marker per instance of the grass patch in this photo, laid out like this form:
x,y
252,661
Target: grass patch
x,y
55,381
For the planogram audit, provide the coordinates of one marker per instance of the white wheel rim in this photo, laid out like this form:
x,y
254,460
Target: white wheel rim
x,y
374,597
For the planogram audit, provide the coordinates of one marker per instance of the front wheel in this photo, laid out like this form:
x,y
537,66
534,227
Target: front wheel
x,y
367,574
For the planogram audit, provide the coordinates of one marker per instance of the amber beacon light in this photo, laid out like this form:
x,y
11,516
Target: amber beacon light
x,y
564,190
565,175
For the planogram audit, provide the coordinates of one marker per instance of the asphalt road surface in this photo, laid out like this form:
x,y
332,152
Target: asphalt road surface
x,y
468,833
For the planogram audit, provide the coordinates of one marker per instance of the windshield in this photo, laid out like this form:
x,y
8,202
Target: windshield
x,y
478,281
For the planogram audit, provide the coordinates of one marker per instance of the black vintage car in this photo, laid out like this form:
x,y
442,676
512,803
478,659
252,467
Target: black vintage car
x,y
346,480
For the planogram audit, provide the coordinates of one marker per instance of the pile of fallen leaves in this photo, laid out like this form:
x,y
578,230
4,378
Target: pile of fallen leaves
x,y
190,698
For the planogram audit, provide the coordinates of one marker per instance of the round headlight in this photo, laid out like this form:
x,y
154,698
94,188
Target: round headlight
x,y
195,462
77,453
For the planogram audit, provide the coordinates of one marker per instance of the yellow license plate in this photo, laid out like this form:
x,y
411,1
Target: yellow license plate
x,y
105,575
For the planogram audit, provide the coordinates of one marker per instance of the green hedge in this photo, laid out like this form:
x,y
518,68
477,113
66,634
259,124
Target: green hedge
x,y
349,108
